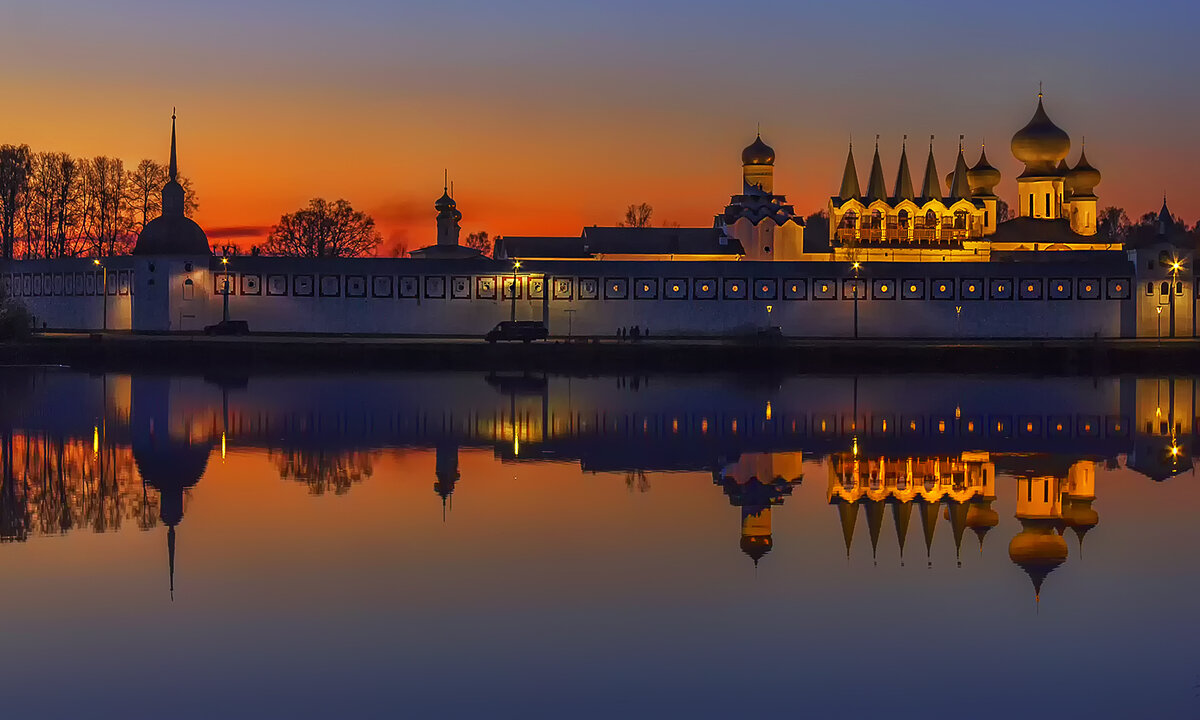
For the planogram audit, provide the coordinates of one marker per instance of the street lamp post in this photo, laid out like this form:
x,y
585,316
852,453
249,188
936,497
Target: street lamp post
x,y
513,292
225,290
856,267
1176,266
104,292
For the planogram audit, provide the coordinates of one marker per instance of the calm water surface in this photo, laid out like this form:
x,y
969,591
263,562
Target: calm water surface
x,y
522,546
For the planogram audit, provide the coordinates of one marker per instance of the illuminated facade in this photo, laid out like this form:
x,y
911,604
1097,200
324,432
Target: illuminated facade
x,y
884,271
1056,207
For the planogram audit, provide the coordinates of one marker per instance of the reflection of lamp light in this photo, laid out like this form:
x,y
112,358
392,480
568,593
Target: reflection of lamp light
x,y
222,445
1174,450
95,440
768,410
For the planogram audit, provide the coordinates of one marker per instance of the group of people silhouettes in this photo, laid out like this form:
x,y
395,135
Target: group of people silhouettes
x,y
634,333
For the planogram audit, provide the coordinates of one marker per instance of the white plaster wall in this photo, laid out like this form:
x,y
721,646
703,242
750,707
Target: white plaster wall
x,y
57,303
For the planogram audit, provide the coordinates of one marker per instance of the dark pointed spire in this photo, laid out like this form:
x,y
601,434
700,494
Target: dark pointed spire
x,y
848,515
874,523
929,512
956,513
875,186
959,187
173,170
931,189
171,558
172,192
849,178
904,186
902,516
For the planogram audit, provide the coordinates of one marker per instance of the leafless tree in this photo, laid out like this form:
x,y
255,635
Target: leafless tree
x,y
637,216
14,181
324,229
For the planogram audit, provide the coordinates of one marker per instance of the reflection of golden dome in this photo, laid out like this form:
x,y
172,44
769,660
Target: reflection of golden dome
x,y
1040,144
1083,178
1080,517
1038,550
756,546
981,518
758,153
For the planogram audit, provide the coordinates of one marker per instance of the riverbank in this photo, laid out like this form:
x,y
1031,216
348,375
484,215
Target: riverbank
x,y
123,350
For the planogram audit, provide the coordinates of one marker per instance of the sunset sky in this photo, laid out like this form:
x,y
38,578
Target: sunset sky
x,y
550,116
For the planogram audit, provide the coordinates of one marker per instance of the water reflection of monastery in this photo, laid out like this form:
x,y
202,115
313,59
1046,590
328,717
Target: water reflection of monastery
x,y
912,453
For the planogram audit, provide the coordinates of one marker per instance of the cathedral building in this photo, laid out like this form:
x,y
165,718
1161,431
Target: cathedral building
x,y
1056,208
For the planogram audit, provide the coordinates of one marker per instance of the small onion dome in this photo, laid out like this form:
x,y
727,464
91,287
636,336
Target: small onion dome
x,y
1083,178
981,518
445,202
756,546
758,153
1040,144
983,178
1080,516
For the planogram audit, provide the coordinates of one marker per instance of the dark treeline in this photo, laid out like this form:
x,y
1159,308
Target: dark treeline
x,y
54,205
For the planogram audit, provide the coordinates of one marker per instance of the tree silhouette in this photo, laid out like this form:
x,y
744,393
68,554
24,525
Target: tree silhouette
x,y
14,181
480,241
637,216
324,229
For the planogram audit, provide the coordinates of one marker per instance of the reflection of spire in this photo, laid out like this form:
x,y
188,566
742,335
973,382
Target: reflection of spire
x,y
446,471
929,525
848,515
171,558
874,523
956,513
902,515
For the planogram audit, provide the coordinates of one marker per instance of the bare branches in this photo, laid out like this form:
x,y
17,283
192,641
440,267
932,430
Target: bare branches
x,y
637,216
324,229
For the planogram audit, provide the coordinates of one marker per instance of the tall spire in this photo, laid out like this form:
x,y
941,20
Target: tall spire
x,y
875,185
847,514
174,169
930,189
849,178
959,187
874,523
929,513
902,516
172,192
904,186
171,558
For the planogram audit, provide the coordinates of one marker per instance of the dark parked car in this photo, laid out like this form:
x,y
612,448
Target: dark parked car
x,y
523,330
228,327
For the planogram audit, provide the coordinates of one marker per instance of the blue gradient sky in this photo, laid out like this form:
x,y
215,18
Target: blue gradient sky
x,y
552,115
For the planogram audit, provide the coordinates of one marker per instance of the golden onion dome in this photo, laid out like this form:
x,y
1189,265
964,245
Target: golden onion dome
x,y
1033,549
758,153
983,178
1083,178
1040,144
